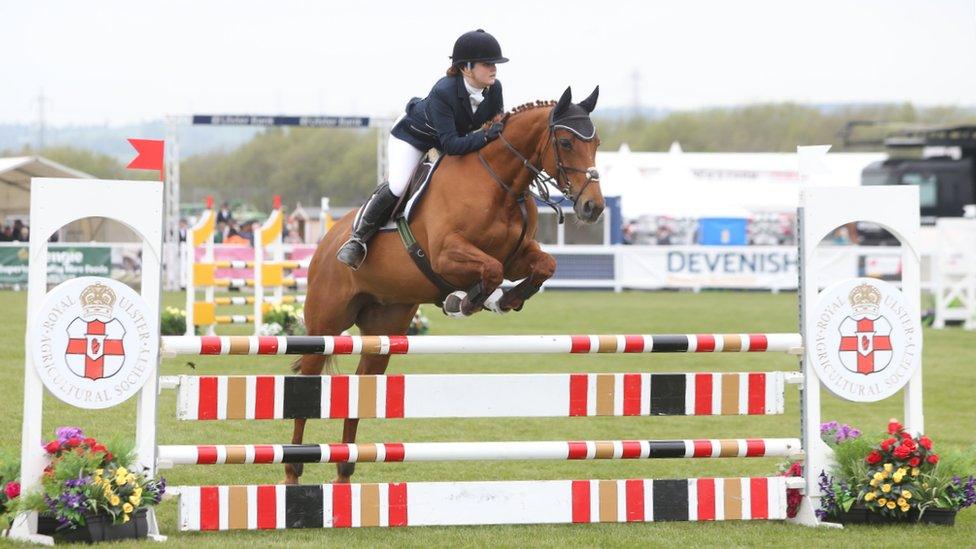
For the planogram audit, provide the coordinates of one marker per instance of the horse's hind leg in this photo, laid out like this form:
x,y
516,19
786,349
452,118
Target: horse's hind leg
x,y
323,317
374,319
308,365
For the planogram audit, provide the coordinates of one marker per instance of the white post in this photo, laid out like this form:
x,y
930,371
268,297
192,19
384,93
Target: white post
x,y
823,209
55,203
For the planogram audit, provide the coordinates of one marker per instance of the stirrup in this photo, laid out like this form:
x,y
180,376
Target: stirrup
x,y
353,253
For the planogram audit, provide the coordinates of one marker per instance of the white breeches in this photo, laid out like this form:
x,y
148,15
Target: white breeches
x,y
403,158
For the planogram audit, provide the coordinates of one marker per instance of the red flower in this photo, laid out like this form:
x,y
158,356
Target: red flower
x,y
902,452
926,442
109,457
12,489
906,436
915,461
933,459
73,442
894,427
90,442
52,447
98,448
887,444
874,457
910,444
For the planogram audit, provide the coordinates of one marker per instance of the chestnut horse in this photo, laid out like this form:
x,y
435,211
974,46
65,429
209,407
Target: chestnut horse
x,y
476,222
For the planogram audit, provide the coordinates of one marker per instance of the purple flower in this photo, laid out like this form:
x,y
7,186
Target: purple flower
x,y
66,433
828,427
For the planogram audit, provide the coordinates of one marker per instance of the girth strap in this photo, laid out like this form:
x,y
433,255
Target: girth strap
x,y
420,259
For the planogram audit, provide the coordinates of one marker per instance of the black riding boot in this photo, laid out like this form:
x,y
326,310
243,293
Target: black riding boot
x,y
375,214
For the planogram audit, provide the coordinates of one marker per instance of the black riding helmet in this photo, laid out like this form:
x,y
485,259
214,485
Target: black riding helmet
x,y
475,46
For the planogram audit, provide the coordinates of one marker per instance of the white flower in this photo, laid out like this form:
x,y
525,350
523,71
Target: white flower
x,y
271,329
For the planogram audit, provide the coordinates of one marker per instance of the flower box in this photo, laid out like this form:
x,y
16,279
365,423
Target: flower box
x,y
97,528
862,515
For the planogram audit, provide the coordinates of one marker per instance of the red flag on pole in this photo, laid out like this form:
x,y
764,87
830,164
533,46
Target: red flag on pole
x,y
149,157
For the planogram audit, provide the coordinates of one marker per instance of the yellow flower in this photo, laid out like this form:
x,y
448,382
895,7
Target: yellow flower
x,y
906,494
890,505
114,500
127,507
125,519
874,482
888,467
869,496
878,476
905,508
901,471
121,472
886,488
902,502
897,478
99,472
120,480
135,500
882,501
914,471
137,490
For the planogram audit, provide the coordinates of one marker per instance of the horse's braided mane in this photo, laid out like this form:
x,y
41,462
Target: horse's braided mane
x,y
527,107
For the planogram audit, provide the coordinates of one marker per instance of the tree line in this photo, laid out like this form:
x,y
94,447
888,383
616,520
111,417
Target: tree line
x,y
303,165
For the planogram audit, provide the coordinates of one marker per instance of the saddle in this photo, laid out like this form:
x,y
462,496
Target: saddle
x,y
407,204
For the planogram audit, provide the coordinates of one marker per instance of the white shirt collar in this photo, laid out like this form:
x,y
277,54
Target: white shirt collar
x,y
476,95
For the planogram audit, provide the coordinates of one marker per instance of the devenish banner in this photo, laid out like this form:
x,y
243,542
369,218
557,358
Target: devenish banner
x,y
693,267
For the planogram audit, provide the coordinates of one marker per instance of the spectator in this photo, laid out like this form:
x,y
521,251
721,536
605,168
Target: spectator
x,y
18,231
630,232
7,235
663,237
224,214
220,232
183,229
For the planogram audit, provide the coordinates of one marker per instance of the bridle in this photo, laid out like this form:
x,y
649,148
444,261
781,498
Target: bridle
x,y
542,180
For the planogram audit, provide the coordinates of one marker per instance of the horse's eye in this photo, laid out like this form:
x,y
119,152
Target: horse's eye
x,y
565,143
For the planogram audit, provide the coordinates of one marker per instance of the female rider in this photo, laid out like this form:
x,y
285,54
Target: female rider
x,y
449,119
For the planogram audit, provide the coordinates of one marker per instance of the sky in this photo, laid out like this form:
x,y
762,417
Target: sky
x,y
119,62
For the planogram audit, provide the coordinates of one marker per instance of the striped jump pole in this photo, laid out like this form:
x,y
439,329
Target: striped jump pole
x,y
249,300
172,455
491,344
479,395
267,507
242,264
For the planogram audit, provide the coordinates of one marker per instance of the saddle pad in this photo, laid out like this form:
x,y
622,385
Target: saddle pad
x,y
418,193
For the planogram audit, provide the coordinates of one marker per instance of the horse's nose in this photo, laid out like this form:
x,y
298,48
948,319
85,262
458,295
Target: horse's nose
x,y
591,211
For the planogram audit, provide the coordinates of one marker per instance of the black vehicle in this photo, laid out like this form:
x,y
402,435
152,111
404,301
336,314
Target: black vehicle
x,y
940,161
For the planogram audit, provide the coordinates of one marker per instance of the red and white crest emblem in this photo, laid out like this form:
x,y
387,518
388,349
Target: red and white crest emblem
x,y
865,344
95,348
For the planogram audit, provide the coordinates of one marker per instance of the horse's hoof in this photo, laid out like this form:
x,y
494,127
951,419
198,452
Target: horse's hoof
x,y
290,480
340,480
452,304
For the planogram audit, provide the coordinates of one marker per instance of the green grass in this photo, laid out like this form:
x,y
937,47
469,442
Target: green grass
x,y
950,417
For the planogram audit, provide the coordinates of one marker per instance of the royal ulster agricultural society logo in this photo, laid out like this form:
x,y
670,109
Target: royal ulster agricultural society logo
x,y
867,342
94,342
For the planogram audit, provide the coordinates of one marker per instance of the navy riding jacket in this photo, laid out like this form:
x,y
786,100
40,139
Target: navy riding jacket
x,y
443,120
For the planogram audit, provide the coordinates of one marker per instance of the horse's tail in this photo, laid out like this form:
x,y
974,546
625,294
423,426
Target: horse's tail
x,y
316,363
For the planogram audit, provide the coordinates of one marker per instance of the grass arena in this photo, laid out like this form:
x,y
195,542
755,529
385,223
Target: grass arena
x,y
947,378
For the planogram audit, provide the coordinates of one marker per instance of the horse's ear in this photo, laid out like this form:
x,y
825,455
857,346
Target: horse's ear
x,y
563,102
589,103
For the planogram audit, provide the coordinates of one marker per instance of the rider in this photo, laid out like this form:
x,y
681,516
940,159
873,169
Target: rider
x,y
449,119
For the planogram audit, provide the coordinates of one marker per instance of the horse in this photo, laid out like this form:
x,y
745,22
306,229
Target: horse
x,y
476,223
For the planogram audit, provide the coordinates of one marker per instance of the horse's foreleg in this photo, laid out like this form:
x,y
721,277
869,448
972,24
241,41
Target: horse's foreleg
x,y
310,365
534,267
459,259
